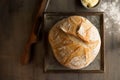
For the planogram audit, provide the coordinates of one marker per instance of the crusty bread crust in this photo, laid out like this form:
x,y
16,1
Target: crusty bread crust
x,y
75,42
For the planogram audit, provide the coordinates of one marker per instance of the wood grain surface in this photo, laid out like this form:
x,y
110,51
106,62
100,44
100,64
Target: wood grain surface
x,y
16,17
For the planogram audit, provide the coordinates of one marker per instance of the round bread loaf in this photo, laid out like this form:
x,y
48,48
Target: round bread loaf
x,y
75,42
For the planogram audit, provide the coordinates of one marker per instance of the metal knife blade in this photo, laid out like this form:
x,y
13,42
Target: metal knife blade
x,y
39,30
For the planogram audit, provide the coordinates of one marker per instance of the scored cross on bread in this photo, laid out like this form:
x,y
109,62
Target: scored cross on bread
x,y
75,42
80,27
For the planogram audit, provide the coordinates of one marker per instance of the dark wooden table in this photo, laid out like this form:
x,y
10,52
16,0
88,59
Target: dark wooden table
x,y
16,17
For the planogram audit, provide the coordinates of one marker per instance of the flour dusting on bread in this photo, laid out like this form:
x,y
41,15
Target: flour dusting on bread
x,y
75,42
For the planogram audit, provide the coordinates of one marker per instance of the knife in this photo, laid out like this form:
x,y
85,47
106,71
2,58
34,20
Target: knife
x,y
33,38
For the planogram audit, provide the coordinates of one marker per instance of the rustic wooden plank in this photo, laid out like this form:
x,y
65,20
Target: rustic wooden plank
x,y
98,64
15,25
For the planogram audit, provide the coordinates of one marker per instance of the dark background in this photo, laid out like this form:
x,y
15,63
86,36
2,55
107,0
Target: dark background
x,y
16,18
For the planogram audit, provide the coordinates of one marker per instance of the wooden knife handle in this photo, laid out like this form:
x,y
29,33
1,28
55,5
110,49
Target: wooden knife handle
x,y
25,58
33,37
